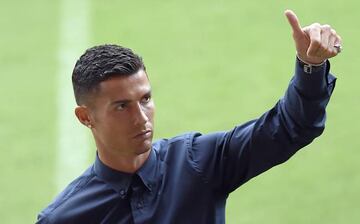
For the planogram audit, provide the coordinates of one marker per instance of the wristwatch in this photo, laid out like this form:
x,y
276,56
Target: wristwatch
x,y
310,68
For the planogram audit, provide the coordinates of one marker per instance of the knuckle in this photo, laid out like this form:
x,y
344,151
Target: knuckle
x,y
326,27
316,25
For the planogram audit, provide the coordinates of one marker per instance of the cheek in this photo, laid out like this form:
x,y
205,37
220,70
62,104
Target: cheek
x,y
115,131
150,112
110,123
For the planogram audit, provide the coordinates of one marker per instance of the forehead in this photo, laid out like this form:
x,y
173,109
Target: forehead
x,y
125,86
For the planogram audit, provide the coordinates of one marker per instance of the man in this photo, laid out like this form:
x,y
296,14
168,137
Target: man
x,y
185,179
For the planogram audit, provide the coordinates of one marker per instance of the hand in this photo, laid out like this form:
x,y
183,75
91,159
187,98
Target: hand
x,y
315,43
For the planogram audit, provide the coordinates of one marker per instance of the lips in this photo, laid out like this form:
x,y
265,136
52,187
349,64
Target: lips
x,y
143,134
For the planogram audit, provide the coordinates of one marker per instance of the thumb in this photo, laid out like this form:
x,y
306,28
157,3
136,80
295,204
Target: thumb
x,y
293,21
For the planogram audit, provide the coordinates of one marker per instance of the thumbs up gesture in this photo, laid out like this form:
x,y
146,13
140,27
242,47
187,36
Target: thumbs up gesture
x,y
315,43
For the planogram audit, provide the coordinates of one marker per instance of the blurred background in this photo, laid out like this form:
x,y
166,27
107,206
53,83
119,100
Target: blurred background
x,y
212,63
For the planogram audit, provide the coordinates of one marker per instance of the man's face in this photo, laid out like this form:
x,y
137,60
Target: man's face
x,y
122,115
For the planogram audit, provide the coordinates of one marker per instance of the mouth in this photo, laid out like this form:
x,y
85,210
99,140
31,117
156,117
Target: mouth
x,y
143,134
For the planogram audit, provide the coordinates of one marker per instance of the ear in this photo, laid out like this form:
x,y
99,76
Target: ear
x,y
83,115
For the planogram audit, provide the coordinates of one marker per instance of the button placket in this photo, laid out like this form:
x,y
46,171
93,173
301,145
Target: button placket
x,y
140,204
122,193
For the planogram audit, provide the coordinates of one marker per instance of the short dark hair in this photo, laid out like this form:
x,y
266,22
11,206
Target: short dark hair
x,y
100,63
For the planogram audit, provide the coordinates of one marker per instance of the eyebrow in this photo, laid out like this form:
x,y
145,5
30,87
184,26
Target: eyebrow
x,y
120,102
148,93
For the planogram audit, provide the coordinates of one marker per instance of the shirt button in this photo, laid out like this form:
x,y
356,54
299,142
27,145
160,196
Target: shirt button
x,y
139,205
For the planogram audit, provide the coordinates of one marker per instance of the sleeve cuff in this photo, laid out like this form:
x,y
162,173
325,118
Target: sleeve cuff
x,y
313,80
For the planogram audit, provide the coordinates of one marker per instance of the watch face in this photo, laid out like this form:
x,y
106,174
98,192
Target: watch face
x,y
307,68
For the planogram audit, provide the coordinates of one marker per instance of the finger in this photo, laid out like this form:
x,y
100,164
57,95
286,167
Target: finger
x,y
332,43
314,33
325,36
293,21
330,50
338,40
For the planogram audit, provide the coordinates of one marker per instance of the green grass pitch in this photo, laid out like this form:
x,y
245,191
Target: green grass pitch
x,y
213,64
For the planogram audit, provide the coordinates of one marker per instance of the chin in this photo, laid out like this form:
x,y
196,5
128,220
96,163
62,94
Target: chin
x,y
142,151
144,148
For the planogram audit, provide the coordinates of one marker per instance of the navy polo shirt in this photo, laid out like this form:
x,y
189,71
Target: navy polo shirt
x,y
187,179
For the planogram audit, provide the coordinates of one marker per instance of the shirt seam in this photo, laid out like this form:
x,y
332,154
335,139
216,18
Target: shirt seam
x,y
193,165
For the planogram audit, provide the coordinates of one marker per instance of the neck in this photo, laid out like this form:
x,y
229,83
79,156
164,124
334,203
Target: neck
x,y
123,163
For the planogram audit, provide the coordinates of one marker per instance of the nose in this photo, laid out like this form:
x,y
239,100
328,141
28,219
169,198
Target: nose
x,y
140,117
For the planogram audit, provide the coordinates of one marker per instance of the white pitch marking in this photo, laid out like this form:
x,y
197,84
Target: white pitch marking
x,y
73,147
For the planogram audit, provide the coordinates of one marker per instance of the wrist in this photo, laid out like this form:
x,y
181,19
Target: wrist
x,y
308,68
312,63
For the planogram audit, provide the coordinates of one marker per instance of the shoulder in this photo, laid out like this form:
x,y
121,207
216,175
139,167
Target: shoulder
x,y
188,140
181,141
70,191
187,146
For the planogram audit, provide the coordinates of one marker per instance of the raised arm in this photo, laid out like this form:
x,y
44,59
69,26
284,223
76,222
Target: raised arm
x,y
228,159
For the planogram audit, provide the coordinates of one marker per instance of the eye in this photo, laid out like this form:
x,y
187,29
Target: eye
x,y
120,106
146,99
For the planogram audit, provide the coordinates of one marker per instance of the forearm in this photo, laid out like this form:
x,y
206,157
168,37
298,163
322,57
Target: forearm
x,y
292,123
307,96
295,120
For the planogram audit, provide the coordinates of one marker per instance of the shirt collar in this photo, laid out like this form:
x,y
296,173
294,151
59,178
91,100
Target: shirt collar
x,y
118,180
148,171
121,181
